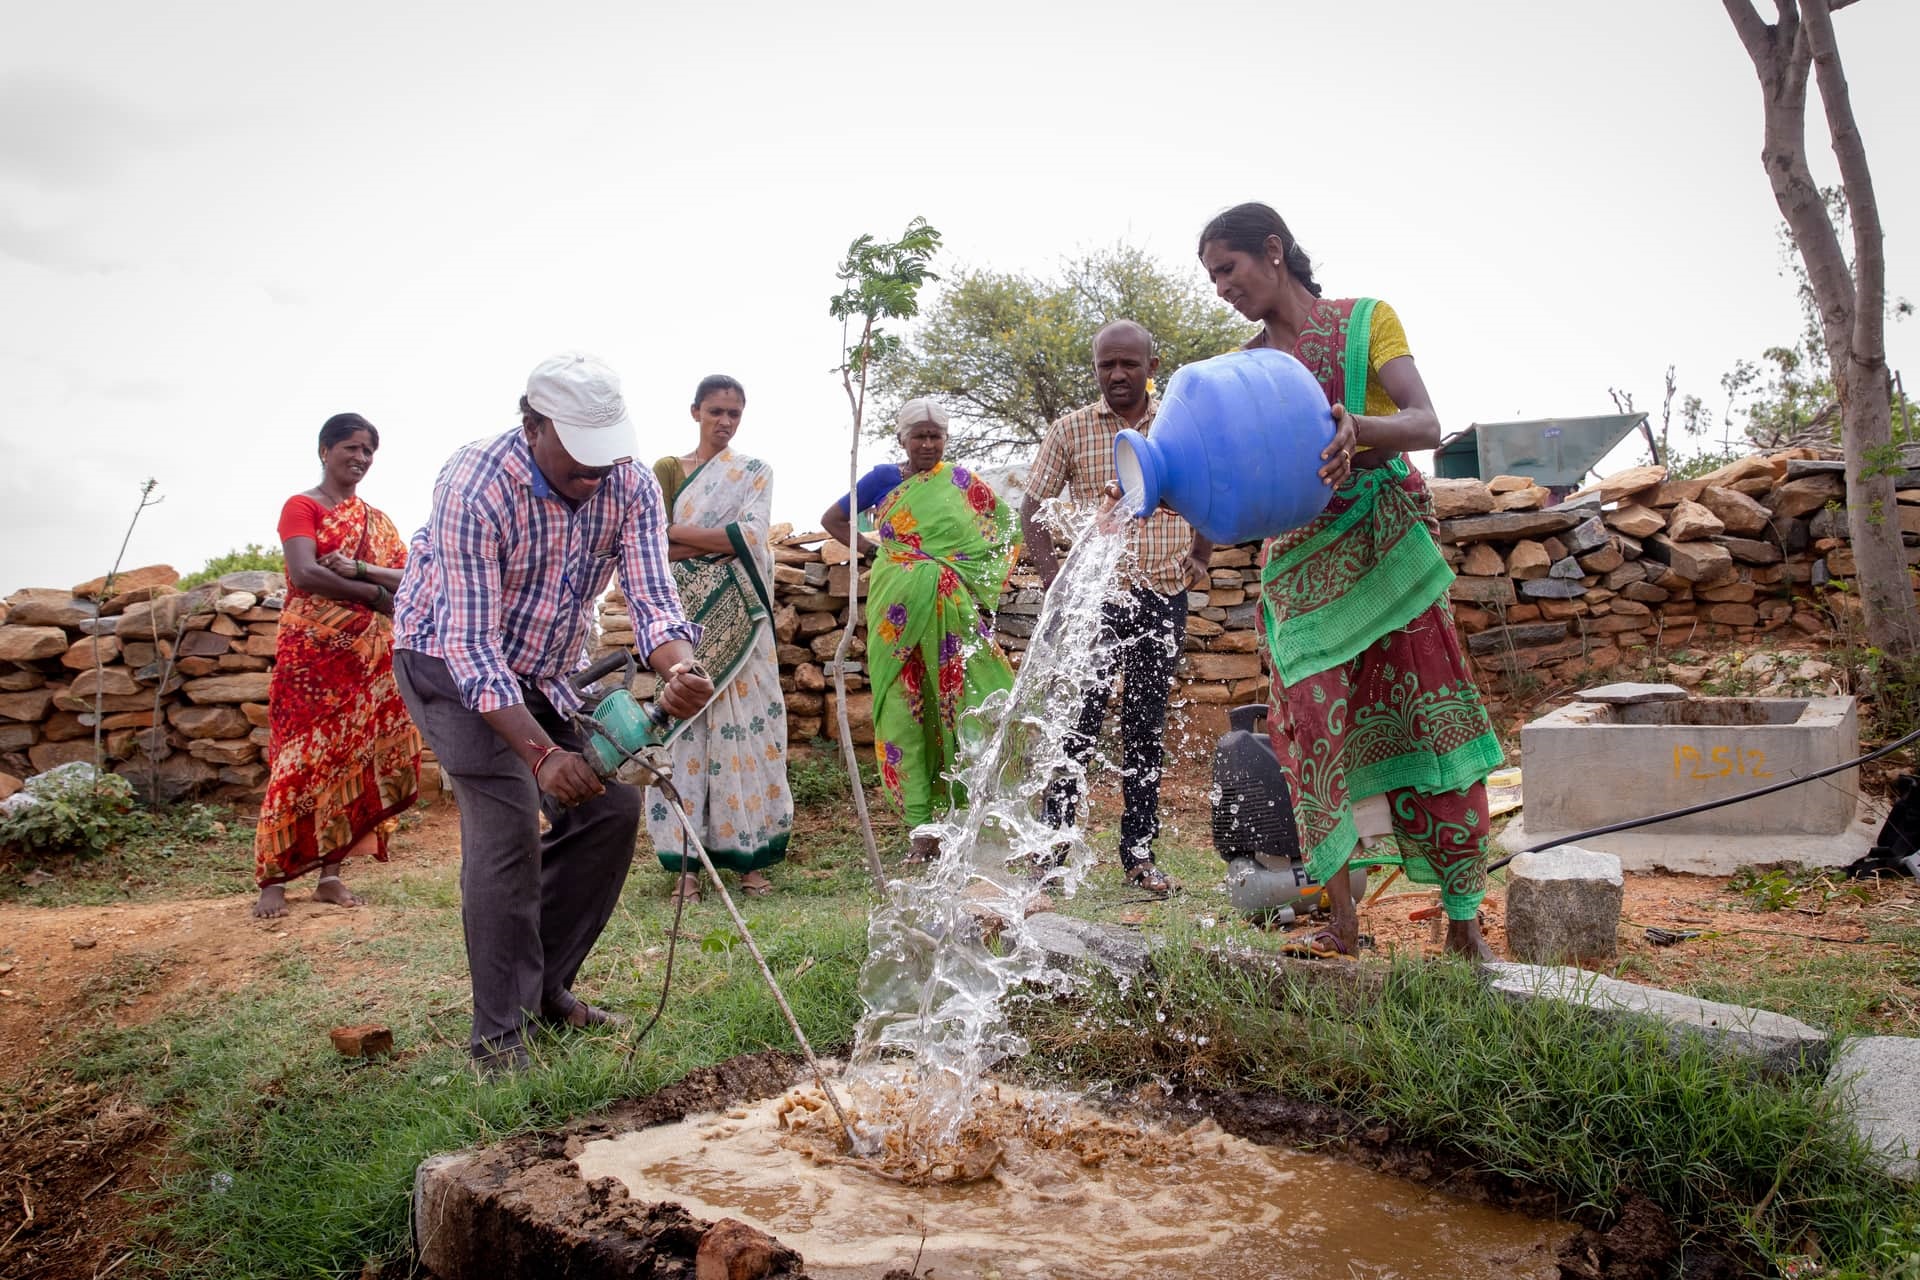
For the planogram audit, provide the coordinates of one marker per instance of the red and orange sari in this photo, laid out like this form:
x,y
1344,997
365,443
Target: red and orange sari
x,y
343,753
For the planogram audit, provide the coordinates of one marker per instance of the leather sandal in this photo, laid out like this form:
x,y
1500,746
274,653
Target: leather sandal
x,y
1321,944
689,893
1147,876
755,889
585,1016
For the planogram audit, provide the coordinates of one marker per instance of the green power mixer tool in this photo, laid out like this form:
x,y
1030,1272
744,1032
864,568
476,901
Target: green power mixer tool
x,y
627,739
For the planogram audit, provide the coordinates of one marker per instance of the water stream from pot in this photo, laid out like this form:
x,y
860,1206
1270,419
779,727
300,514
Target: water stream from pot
x,y
945,949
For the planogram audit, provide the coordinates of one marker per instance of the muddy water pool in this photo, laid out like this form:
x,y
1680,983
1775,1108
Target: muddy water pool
x,y
1045,1188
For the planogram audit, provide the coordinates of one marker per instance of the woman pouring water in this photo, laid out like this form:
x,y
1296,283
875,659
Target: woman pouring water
x,y
1377,722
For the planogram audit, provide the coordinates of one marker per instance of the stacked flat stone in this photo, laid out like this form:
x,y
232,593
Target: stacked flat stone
x,y
1546,593
1559,593
177,679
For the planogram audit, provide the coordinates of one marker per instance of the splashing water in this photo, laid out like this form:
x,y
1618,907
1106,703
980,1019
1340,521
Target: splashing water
x,y
945,949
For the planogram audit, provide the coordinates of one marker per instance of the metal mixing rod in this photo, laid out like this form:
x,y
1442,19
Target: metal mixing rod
x,y
652,762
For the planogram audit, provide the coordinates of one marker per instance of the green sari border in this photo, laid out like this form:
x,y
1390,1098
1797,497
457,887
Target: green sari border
x,y
1365,492
1429,774
744,554
740,860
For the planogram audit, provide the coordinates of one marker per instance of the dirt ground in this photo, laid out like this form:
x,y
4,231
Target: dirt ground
x,y
60,964
69,1153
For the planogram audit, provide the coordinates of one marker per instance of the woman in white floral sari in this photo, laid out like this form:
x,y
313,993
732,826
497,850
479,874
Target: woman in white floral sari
x,y
730,765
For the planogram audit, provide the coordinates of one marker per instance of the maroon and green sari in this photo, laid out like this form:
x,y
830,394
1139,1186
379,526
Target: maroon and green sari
x,y
1371,695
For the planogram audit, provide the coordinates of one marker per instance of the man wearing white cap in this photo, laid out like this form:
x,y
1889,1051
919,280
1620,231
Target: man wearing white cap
x,y
492,616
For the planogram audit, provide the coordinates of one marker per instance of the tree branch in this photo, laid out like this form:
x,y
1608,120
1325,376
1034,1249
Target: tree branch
x,y
1754,33
1782,59
1868,339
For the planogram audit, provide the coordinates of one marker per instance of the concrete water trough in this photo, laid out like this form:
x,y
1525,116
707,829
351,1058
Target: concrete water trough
x,y
1628,751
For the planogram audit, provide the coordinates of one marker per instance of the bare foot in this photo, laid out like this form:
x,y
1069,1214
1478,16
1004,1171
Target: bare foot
x,y
1463,939
333,889
1345,921
272,903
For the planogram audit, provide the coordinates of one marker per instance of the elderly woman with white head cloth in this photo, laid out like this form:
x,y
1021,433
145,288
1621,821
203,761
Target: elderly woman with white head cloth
x,y
944,545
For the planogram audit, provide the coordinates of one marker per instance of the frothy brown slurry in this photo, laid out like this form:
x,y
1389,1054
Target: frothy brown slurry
x,y
1041,1185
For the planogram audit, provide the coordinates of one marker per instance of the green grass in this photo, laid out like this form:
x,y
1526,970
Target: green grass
x,y
187,852
1863,990
260,1104
1533,1090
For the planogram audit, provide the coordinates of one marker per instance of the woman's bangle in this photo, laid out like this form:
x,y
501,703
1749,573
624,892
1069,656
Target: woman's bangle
x,y
359,569
543,759
382,597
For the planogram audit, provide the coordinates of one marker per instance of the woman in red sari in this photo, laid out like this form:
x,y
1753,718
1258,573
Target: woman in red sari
x,y
345,757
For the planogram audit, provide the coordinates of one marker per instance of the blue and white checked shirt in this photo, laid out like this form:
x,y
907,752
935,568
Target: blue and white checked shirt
x,y
502,580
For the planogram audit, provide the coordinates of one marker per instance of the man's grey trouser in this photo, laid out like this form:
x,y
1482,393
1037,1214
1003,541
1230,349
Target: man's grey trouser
x,y
532,905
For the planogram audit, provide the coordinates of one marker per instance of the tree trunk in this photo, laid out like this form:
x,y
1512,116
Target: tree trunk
x,y
1859,365
1851,303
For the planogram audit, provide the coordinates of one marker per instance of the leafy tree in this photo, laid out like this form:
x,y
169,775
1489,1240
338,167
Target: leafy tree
x,y
1009,353
1783,398
251,556
1787,396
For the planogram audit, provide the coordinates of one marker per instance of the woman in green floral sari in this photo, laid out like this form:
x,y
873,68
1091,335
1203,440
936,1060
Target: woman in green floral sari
x,y
945,544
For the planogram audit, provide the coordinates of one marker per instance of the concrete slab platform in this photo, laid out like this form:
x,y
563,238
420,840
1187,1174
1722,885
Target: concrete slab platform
x,y
1594,763
1878,1078
1628,693
1712,854
1073,944
1777,1042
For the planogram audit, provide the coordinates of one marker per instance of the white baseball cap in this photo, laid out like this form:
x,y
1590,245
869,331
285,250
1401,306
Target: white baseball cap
x,y
582,397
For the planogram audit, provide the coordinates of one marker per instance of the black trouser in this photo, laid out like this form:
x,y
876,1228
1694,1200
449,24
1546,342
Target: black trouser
x,y
1146,630
531,904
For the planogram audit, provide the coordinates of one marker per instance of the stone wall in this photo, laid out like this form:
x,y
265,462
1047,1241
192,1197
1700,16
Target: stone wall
x,y
811,584
1547,595
179,679
1545,591
1637,561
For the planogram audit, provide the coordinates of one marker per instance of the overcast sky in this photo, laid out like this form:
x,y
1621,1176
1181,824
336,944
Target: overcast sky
x,y
221,223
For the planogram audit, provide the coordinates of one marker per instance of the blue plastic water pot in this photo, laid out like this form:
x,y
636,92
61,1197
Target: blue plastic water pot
x,y
1235,447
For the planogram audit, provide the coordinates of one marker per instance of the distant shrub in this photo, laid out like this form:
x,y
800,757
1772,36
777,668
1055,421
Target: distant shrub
x,y
251,556
72,810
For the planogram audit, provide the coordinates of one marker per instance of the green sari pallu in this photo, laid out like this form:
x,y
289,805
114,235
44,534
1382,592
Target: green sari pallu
x,y
946,546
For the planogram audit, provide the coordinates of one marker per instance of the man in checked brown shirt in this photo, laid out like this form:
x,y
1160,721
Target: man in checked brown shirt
x,y
1147,619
